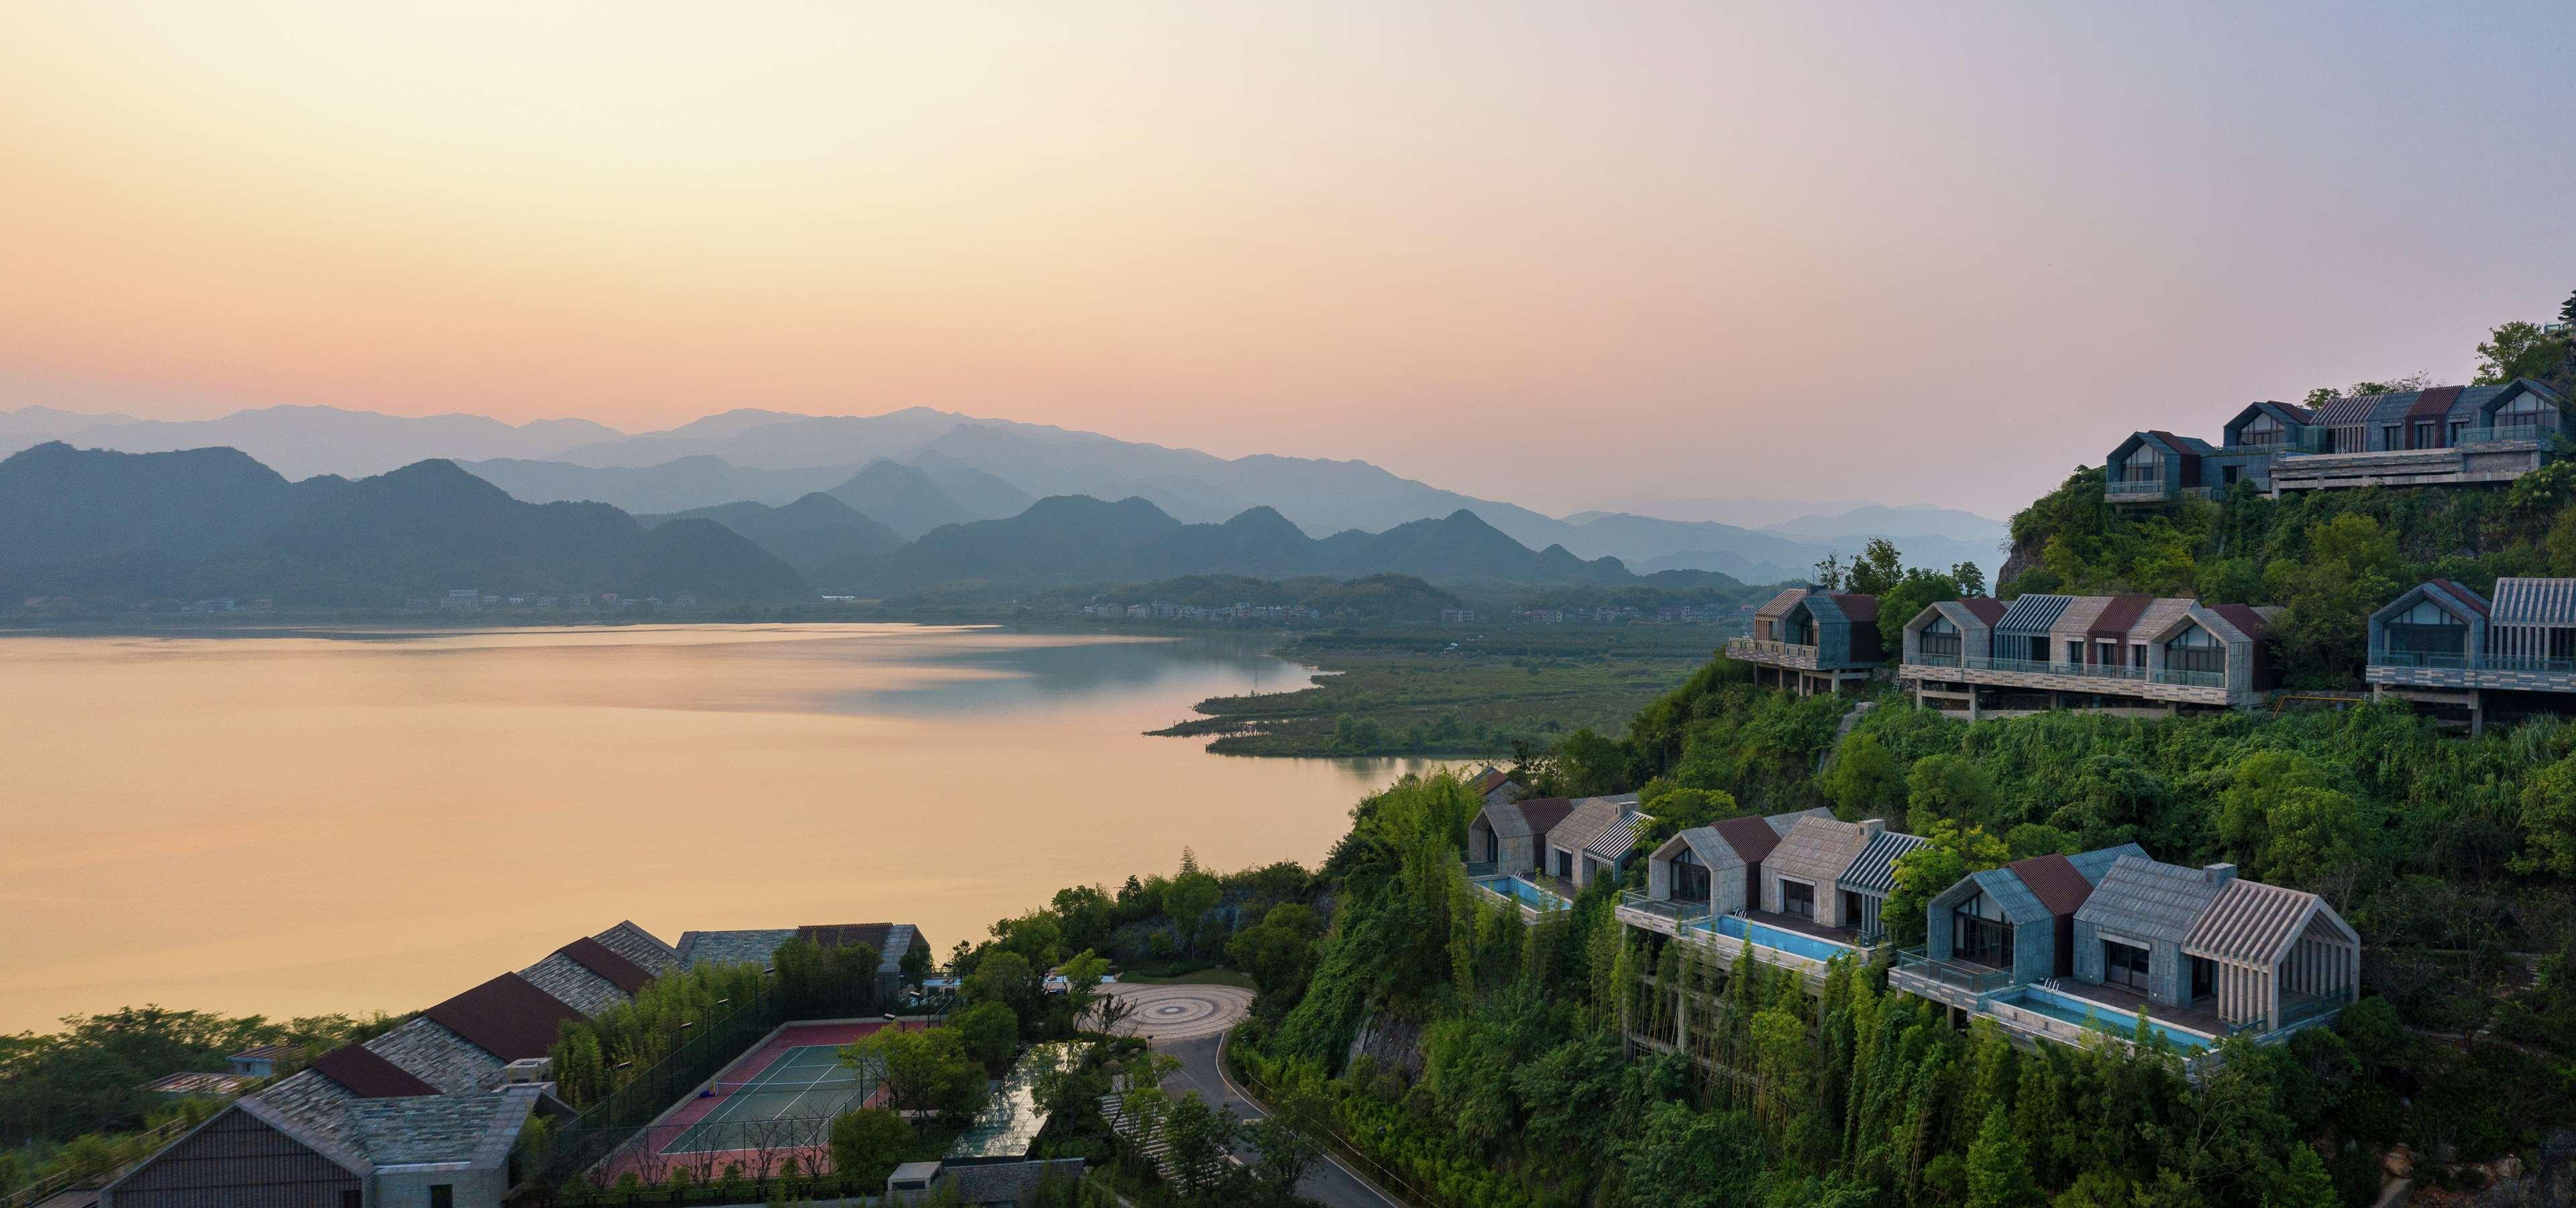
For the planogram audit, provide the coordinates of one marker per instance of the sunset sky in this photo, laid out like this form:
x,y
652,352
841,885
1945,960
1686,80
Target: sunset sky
x,y
1567,255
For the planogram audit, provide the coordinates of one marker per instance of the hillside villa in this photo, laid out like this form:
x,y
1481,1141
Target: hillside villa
x,y
1796,889
1984,657
2452,651
2444,436
1808,641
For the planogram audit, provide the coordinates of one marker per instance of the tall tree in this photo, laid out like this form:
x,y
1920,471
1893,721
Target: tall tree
x,y
2519,350
1999,1167
1877,568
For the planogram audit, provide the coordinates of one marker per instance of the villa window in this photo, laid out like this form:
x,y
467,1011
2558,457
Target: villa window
x,y
442,1195
2196,650
1690,877
2427,434
1565,865
2204,977
2392,437
2527,410
2424,630
1980,932
2562,643
1940,638
2260,431
2075,652
2124,965
1798,899
2145,465
2349,439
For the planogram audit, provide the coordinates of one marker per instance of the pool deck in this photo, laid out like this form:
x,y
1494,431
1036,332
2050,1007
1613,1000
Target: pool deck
x,y
2124,999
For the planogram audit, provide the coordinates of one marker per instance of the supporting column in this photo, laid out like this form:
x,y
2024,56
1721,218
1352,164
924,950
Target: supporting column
x,y
2477,712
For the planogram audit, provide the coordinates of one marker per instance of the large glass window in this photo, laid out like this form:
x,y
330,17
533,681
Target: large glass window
x,y
1690,877
2124,965
2145,465
2261,430
2196,649
1940,638
2525,410
1798,898
2425,630
1980,932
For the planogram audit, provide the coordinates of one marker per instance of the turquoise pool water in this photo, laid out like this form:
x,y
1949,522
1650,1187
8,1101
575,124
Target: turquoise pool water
x,y
1773,937
1522,891
2082,1013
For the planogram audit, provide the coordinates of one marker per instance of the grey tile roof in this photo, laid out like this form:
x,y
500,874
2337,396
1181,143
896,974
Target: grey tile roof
x,y
2076,619
1874,871
642,947
2014,898
731,947
2250,923
1780,604
574,986
2150,899
1590,817
430,1052
2033,613
438,1129
2534,602
1817,850
2098,861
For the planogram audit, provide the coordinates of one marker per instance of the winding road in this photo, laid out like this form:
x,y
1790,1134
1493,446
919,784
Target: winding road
x,y
1189,1022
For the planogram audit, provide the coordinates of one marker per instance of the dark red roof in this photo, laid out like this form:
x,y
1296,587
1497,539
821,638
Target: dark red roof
x,y
1543,813
2119,616
2053,880
1857,607
1491,780
836,935
2470,598
507,1017
2244,618
1985,608
1752,838
2434,403
600,959
369,1076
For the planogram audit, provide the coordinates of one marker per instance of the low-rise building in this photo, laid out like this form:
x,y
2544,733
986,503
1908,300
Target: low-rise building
x,y
1510,836
892,941
2442,436
1594,839
1708,870
1983,657
2448,649
1808,640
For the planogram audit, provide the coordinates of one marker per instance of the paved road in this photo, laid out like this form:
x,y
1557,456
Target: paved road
x,y
1195,1034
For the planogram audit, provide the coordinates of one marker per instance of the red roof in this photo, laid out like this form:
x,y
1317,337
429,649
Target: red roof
x,y
1985,608
2470,598
1752,838
600,959
2434,403
2119,616
2244,618
1543,813
1857,607
2054,881
508,1017
369,1076
1491,780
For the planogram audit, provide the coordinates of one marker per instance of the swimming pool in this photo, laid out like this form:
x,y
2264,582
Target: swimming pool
x,y
2084,1013
1520,890
1791,942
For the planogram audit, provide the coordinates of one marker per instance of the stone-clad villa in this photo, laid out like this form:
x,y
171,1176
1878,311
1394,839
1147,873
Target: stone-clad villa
x,y
1984,657
1809,641
2450,650
2444,436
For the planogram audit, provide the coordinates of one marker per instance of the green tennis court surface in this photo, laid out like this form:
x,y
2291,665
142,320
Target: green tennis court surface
x,y
798,1094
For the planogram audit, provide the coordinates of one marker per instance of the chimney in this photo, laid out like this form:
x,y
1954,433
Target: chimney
x,y
1870,827
2218,874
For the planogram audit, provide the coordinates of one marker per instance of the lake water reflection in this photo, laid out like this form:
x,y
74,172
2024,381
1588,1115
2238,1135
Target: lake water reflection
x,y
311,823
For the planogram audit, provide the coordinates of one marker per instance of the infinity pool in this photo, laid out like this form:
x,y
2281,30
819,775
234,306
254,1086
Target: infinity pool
x,y
2085,1013
1773,937
1522,891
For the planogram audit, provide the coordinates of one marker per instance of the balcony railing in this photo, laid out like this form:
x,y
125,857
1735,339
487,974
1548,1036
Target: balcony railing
x,y
1762,650
2137,489
1679,910
2471,662
1973,979
2160,675
2489,436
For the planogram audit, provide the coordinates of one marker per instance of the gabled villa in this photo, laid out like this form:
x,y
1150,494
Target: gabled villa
x,y
1706,870
2065,947
1808,641
2448,649
2445,436
1984,657
1594,839
1508,852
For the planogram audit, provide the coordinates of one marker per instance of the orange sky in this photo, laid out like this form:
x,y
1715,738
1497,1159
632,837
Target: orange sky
x,y
1600,253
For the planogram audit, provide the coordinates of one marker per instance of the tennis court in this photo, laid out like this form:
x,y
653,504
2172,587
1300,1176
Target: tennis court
x,y
780,1096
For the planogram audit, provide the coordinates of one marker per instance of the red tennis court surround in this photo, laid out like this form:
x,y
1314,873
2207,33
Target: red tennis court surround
x,y
749,1066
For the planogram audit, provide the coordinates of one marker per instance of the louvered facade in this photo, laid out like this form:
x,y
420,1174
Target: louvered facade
x,y
2449,649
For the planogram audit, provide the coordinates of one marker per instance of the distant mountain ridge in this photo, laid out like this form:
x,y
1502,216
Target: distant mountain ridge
x,y
212,522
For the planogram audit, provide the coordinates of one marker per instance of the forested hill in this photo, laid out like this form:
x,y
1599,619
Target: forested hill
x,y
95,525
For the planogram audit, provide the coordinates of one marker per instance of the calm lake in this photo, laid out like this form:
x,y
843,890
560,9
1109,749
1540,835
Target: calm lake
x,y
295,825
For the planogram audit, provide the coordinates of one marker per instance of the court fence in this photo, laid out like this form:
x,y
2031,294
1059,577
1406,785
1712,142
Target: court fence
x,y
564,1158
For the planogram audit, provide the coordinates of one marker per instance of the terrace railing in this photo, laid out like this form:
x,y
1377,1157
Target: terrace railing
x,y
1972,979
1766,651
2136,490
2471,662
2160,675
2489,436
1679,910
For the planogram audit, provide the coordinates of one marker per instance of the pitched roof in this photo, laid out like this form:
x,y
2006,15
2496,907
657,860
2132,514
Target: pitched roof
x,y
2009,893
640,946
2093,864
1750,839
1615,839
599,958
2118,615
2077,616
1857,608
1985,608
2150,899
837,935
1818,850
2247,619
268,1052
1779,605
2033,613
1874,870
2346,412
2053,880
2251,923
2534,602
731,947
197,1082
508,1017
569,982
440,1056
474,1129
2190,445
366,1075
1529,817
1584,823
2473,600
2434,403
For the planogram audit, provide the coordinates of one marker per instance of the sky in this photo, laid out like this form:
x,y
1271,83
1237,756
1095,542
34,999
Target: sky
x,y
1566,255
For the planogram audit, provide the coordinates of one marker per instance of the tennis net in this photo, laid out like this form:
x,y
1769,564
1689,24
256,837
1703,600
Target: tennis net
x,y
788,1088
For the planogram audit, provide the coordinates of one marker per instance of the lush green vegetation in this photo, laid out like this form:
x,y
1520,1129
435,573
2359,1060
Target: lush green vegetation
x,y
1455,690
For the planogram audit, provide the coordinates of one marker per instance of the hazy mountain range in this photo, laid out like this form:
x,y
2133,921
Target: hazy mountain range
x,y
947,468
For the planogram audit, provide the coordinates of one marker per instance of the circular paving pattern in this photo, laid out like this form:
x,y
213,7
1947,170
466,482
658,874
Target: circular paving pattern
x,y
1180,1012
